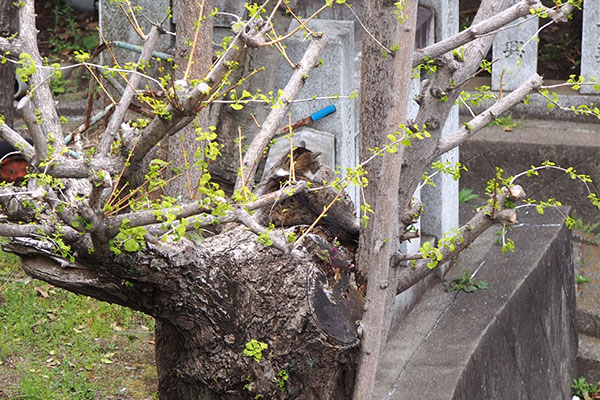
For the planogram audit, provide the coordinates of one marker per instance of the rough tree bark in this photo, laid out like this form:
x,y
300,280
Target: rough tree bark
x,y
381,241
8,26
188,12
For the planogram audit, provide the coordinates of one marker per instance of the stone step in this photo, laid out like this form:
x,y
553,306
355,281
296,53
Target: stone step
x,y
588,358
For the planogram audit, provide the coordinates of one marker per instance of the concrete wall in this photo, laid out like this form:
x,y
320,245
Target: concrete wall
x,y
516,340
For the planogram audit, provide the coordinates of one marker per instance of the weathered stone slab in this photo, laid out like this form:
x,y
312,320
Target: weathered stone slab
x,y
590,45
316,141
516,50
588,358
515,340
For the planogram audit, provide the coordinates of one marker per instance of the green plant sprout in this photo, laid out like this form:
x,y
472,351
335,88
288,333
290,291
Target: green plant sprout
x,y
466,284
254,349
466,194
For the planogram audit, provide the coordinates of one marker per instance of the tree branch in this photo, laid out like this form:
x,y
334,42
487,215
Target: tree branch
x,y
10,45
15,230
160,128
117,117
17,141
489,26
383,230
485,27
143,218
480,222
40,140
560,15
482,120
271,123
42,101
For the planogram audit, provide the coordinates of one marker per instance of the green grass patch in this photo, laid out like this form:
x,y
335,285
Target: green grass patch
x,y
58,345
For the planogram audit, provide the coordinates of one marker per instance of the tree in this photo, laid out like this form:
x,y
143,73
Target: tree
x,y
7,71
98,223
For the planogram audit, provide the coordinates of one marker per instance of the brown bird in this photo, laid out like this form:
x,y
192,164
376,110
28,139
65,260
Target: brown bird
x,y
304,208
305,166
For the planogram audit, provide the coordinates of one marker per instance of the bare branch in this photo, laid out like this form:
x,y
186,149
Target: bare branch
x,y
271,123
475,31
40,140
466,235
160,128
15,230
560,15
42,101
490,26
142,218
70,168
117,117
482,120
11,45
17,141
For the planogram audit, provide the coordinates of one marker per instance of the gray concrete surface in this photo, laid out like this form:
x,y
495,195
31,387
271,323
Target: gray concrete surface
x,y
516,340
587,263
588,358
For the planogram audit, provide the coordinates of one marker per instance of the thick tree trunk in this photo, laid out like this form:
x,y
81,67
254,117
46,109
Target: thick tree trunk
x,y
196,47
212,298
8,25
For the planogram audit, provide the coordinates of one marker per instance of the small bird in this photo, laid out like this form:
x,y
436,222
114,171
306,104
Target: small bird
x,y
304,208
304,167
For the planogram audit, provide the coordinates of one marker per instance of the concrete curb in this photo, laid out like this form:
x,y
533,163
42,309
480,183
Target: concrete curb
x,y
516,340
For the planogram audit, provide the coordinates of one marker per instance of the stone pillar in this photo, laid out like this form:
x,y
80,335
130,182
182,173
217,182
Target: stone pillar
x,y
590,46
441,201
516,49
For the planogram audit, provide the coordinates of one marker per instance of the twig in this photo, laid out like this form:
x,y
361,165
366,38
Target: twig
x,y
132,19
40,139
198,25
482,120
301,26
117,117
17,141
187,171
464,237
321,216
367,31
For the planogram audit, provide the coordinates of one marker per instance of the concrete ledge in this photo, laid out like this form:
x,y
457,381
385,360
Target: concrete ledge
x,y
516,340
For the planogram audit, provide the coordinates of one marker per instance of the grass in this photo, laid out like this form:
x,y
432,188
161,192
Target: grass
x,y
58,345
